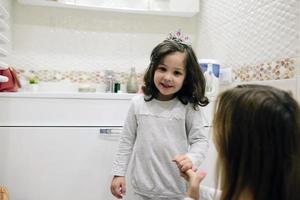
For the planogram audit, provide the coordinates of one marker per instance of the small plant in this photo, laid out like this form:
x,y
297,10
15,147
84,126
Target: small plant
x,y
33,81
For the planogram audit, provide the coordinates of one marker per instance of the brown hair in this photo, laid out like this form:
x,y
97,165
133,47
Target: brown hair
x,y
193,89
257,136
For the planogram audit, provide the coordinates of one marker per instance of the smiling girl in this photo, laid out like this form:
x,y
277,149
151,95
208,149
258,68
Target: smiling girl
x,y
163,124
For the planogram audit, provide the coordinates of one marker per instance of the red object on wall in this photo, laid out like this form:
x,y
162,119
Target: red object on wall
x,y
13,83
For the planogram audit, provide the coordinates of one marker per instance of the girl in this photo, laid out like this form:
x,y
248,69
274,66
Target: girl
x,y
257,136
166,121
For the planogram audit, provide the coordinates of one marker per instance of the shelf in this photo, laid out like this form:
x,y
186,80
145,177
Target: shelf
x,y
3,38
3,52
3,25
3,12
146,9
68,95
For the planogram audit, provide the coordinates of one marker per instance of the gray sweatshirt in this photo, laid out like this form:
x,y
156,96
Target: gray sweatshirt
x,y
154,132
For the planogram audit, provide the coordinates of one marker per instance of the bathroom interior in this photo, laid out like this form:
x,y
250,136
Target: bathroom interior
x,y
59,131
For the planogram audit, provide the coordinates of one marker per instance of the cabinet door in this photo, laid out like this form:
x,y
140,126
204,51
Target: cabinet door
x,y
186,8
63,112
57,163
176,6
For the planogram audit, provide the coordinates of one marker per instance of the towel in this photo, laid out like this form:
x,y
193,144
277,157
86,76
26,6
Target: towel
x,y
13,83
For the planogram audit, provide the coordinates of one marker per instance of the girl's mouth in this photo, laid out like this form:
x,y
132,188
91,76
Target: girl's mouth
x,y
166,85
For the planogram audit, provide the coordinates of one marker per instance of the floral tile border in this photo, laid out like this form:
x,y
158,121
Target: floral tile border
x,y
95,77
274,70
281,69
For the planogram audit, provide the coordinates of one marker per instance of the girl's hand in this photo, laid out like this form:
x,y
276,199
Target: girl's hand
x,y
183,163
118,188
194,179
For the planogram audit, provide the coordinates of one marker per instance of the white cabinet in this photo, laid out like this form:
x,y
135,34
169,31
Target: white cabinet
x,y
51,146
60,146
61,163
186,8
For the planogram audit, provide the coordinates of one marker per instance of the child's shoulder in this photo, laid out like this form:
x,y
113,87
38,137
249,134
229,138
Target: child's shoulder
x,y
138,99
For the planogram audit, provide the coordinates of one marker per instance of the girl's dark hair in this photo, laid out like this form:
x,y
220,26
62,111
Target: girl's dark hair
x,y
257,136
193,89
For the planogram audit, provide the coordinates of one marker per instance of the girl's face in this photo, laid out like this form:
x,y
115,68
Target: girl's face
x,y
169,75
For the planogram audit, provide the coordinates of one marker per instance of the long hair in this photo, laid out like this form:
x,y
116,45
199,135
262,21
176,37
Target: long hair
x,y
257,136
193,89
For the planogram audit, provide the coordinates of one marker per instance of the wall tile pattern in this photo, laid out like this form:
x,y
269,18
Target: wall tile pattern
x,y
274,70
85,40
73,76
250,35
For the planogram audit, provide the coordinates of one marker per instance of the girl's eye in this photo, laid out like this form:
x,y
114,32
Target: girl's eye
x,y
177,73
161,69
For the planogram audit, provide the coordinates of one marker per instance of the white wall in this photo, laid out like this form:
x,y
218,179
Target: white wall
x,y
237,33
64,39
240,33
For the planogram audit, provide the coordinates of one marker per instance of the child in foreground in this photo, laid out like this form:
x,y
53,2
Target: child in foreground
x,y
164,123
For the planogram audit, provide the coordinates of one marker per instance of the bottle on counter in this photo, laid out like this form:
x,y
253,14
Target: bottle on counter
x,y
117,87
132,84
110,84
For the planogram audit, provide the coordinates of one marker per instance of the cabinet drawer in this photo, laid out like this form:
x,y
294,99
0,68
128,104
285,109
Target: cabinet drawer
x,y
63,111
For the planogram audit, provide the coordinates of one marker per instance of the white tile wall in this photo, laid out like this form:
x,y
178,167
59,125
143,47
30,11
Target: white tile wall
x,y
59,38
239,33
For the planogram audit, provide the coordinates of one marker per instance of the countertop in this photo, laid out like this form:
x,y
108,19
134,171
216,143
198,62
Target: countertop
x,y
66,95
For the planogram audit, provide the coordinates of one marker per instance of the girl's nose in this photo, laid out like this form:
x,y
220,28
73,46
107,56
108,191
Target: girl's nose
x,y
168,77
